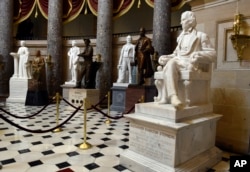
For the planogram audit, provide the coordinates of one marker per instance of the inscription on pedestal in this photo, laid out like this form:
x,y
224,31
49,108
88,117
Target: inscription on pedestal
x,y
156,144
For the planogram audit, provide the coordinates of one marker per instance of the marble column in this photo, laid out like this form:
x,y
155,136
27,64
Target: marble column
x,y
104,45
6,44
161,26
54,38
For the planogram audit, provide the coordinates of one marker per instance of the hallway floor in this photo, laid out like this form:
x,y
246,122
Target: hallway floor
x,y
59,151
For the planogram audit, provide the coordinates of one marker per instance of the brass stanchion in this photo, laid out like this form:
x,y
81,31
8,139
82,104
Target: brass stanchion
x,y
108,121
142,100
57,113
85,145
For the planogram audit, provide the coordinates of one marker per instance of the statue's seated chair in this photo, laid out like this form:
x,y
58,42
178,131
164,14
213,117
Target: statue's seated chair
x,y
193,85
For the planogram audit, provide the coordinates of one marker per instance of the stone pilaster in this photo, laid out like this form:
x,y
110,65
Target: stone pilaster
x,y
104,45
161,26
6,30
55,14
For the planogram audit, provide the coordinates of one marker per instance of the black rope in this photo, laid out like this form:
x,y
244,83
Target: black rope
x,y
25,117
39,130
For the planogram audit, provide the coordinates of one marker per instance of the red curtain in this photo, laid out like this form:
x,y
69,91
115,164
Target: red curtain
x,y
23,9
120,7
175,4
72,8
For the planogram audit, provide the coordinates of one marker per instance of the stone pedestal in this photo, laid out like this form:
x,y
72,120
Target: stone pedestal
x,y
136,92
37,94
158,143
119,96
76,96
18,90
65,90
125,96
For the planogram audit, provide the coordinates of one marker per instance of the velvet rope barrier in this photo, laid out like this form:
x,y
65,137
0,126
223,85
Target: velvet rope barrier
x,y
39,130
25,117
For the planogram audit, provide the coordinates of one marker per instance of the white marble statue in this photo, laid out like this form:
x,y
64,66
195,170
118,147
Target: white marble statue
x,y
126,58
74,62
22,67
193,46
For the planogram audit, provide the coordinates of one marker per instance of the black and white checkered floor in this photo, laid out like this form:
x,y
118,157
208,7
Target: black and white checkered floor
x,y
52,152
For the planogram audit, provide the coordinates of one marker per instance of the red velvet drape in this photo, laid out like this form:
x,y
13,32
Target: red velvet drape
x,y
23,9
120,7
72,8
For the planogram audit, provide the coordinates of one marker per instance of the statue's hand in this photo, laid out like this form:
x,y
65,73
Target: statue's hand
x,y
194,57
163,59
13,54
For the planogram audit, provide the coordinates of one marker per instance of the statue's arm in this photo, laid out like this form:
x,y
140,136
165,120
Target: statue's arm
x,y
207,52
121,58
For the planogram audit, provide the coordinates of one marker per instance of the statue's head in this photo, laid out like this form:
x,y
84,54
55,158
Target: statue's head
x,y
38,53
188,20
142,31
22,43
73,43
86,41
129,39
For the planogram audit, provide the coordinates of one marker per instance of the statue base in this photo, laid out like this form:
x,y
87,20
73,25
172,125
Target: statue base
x,y
65,90
77,96
160,144
3,100
18,90
139,93
119,97
37,94
125,95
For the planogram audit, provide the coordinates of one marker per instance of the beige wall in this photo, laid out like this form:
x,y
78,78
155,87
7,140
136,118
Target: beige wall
x,y
231,78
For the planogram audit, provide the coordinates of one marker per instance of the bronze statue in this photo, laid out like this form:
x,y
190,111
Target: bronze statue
x,y
144,50
85,71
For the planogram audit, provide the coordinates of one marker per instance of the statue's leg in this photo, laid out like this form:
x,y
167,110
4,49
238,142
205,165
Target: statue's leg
x,y
158,84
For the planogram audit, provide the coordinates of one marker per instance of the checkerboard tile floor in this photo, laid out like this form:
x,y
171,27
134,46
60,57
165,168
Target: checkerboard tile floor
x,y
59,152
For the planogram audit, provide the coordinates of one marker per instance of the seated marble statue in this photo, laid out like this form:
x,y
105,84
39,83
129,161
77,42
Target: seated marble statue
x,y
126,58
22,67
74,62
192,47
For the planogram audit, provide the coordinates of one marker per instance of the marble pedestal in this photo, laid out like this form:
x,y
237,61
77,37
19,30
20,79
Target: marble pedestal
x,y
77,96
157,143
65,90
18,90
119,97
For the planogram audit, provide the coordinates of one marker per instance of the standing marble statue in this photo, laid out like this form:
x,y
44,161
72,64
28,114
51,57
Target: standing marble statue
x,y
126,58
192,46
143,52
21,62
74,62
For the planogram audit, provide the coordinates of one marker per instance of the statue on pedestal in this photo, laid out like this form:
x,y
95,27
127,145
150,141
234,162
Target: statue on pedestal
x,y
37,93
193,46
74,63
126,58
22,67
87,55
143,52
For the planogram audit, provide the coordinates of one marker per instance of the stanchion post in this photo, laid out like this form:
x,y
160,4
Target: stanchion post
x,y
142,99
85,145
108,121
57,113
